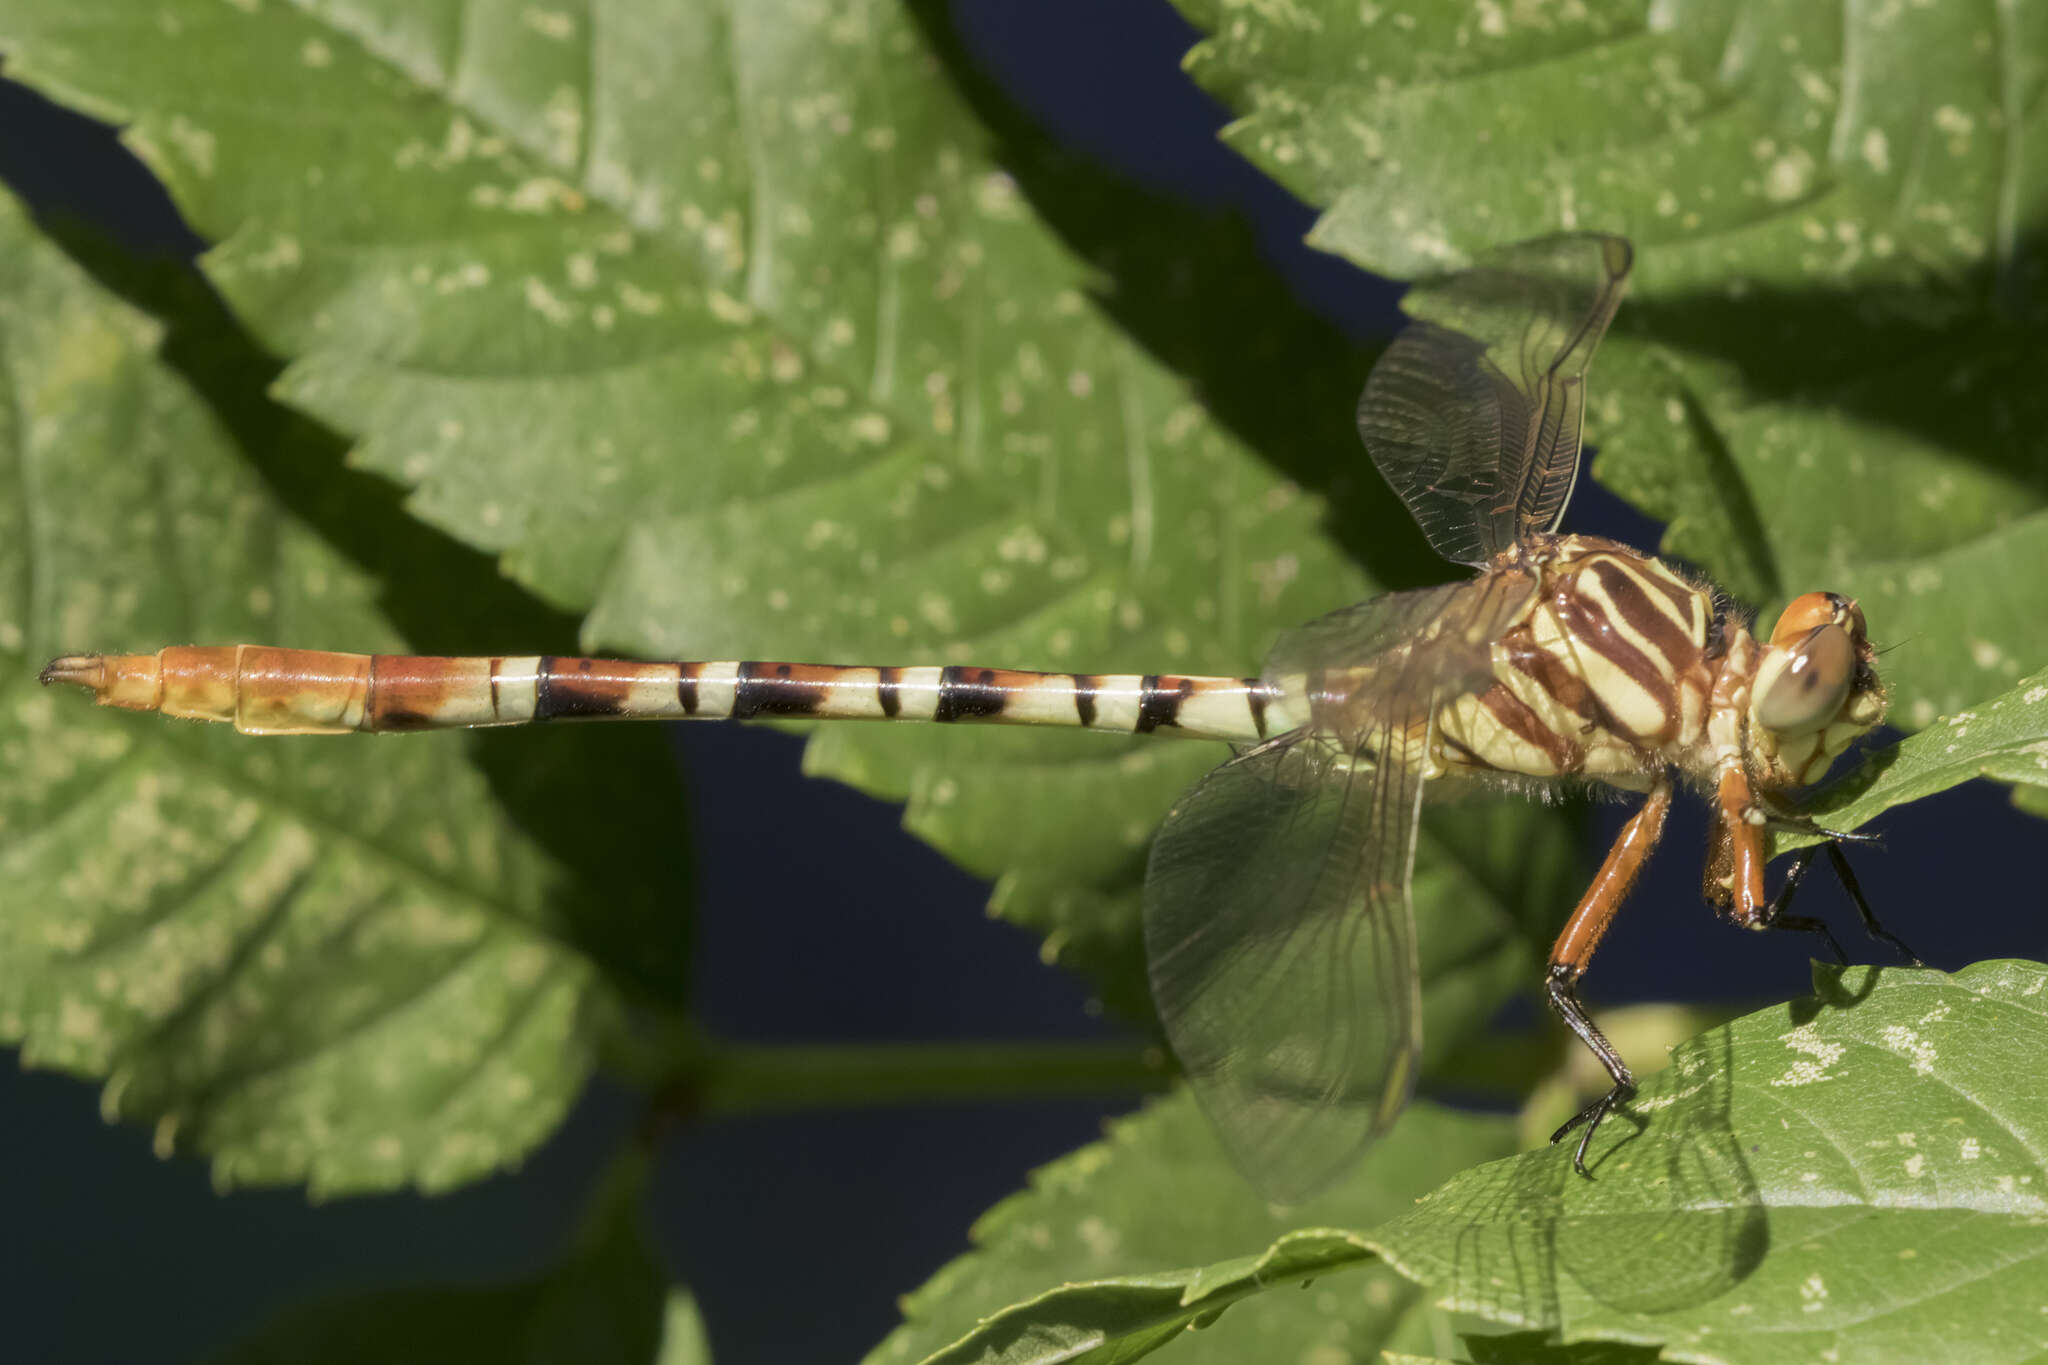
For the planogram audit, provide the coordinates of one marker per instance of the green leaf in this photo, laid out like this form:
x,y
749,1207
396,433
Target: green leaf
x,y
788,366
2005,739
1532,1348
1860,1174
354,964
605,1303
1840,212
1111,1223
682,1332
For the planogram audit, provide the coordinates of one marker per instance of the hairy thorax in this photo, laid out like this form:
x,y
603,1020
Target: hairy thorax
x,y
1616,668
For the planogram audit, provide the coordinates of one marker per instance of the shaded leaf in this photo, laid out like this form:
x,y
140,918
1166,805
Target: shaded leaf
x,y
182,903
605,1303
1860,1174
1115,1220
1827,384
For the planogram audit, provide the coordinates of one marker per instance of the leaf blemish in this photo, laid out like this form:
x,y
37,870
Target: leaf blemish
x,y
1819,1055
1901,1039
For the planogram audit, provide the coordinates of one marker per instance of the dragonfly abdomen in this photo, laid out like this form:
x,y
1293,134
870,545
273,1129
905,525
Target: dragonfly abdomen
x,y
266,691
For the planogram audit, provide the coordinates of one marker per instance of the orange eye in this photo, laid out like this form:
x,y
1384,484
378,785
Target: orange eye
x,y
1808,692
1806,612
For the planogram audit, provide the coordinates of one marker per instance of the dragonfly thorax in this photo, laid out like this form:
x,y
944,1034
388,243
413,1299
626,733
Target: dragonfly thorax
x,y
1618,666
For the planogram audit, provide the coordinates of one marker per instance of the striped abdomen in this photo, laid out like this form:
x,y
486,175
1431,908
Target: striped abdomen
x,y
1606,677
265,691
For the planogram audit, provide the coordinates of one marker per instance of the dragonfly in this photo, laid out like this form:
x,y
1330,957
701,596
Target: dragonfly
x,y
1279,930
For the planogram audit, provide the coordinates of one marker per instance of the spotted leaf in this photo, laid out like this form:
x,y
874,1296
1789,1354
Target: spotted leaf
x,y
2004,739
722,324
344,963
1823,375
1859,1176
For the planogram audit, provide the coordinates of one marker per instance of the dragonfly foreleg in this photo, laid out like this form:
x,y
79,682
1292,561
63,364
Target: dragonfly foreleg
x,y
1774,916
1574,950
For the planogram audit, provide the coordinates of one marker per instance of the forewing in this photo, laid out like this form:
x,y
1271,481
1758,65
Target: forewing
x,y
1473,414
1278,927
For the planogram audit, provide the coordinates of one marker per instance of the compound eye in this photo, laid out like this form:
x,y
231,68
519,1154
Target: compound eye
x,y
1809,691
1802,614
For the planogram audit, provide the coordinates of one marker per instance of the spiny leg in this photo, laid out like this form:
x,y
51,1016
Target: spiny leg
x,y
1869,916
1834,838
1574,948
1774,915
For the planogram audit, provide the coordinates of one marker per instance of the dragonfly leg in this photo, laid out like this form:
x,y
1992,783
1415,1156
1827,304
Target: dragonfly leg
x,y
1741,829
1745,821
1802,824
1871,926
1564,999
1574,950
1776,916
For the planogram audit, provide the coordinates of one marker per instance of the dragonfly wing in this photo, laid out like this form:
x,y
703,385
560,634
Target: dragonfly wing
x,y
1278,927
1282,953
1473,414
1389,661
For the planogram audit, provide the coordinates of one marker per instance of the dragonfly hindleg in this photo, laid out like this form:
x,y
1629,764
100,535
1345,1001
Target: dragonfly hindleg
x,y
1574,949
1562,988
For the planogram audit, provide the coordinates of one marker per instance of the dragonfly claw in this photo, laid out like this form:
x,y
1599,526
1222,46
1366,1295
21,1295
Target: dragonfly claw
x,y
1589,1118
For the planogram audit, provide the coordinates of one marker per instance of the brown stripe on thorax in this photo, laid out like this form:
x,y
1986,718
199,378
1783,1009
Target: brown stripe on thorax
x,y
1159,701
769,689
1625,590
1524,724
1255,698
1553,675
1589,628
1692,604
569,688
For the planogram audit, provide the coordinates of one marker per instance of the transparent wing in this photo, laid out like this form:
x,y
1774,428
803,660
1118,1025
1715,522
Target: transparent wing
x,y
1278,927
1282,953
1473,414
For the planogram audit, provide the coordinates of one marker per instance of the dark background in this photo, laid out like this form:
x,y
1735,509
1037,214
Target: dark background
x,y
798,1232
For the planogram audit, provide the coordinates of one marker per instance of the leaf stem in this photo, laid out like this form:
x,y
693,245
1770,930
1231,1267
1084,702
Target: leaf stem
x,y
745,1078
688,1074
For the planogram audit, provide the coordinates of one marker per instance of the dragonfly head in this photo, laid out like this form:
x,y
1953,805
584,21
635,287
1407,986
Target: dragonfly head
x,y
1816,689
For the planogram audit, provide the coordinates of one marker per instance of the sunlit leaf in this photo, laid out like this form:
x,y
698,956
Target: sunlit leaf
x,y
2005,739
1859,1175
